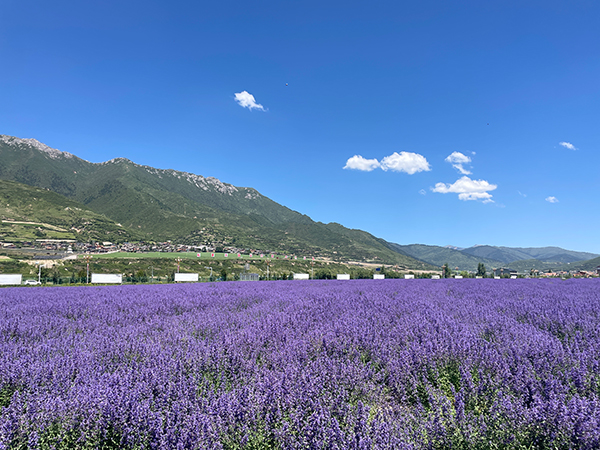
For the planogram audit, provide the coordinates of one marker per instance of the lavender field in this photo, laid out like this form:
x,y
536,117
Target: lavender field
x,y
361,364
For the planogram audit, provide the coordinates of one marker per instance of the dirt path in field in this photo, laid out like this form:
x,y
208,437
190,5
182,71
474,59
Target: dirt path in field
x,y
52,227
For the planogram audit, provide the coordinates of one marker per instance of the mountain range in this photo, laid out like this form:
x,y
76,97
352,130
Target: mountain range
x,y
515,258
159,205
119,200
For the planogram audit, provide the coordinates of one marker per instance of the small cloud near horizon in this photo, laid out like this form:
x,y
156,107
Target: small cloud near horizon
x,y
247,100
552,199
407,162
467,189
568,145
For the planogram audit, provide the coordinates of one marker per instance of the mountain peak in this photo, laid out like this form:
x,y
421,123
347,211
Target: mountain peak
x,y
204,183
17,142
117,160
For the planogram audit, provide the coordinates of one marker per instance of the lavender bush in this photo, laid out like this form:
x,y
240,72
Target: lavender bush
x,y
394,364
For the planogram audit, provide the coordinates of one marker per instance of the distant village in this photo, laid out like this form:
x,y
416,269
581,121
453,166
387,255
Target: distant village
x,y
69,249
55,249
504,272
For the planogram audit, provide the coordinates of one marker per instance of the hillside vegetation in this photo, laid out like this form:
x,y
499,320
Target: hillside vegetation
x,y
159,205
30,213
508,255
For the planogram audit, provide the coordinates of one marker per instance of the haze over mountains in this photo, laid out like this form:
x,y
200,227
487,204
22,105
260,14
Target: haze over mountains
x,y
132,201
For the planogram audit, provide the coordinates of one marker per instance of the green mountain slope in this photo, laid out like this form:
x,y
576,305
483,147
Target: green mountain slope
x,y
29,213
524,266
589,265
520,259
507,255
168,204
120,185
439,256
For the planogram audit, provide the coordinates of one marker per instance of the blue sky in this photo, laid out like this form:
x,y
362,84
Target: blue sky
x,y
457,109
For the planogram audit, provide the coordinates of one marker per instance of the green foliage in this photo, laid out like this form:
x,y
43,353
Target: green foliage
x,y
481,270
6,393
324,274
31,213
12,266
69,436
259,438
447,377
446,271
141,276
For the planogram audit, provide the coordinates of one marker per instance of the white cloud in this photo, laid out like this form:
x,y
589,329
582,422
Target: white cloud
x,y
552,199
405,162
467,189
567,145
484,196
398,162
461,169
457,159
357,162
423,192
247,100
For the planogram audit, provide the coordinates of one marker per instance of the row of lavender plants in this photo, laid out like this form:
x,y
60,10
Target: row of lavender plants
x,y
361,364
